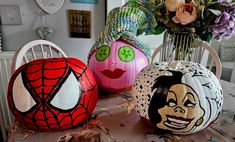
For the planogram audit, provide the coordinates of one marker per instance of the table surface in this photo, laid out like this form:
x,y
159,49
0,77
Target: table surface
x,y
122,124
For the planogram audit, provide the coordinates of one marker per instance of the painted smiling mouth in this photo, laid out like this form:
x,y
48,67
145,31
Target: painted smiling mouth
x,y
113,74
177,122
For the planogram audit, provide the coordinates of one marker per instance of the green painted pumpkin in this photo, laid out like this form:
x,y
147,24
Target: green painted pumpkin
x,y
179,97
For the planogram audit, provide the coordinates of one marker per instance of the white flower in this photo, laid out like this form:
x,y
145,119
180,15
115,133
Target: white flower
x,y
172,5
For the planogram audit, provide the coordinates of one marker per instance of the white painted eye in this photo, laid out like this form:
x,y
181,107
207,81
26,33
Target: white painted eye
x,y
68,95
22,99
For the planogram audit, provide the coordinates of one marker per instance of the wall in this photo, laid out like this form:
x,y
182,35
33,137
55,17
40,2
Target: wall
x,y
114,3
15,36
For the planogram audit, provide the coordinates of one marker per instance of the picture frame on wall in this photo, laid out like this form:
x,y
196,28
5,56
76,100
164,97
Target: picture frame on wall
x,y
10,15
79,22
84,1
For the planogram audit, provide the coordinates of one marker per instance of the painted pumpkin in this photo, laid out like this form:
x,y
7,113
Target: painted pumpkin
x,y
178,97
115,66
52,94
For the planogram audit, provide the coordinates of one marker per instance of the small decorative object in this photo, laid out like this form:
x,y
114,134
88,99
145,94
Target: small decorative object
x,y
10,15
50,6
84,1
115,66
52,94
179,97
79,23
45,32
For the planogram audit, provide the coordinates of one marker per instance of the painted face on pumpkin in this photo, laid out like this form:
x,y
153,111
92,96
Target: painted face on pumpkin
x,y
182,111
52,94
116,65
125,54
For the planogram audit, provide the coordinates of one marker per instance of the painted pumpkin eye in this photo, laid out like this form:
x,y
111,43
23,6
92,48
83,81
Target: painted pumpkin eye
x,y
64,101
171,103
171,100
102,53
126,54
188,103
21,97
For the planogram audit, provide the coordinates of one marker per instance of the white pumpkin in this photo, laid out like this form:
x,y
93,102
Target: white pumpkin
x,y
179,97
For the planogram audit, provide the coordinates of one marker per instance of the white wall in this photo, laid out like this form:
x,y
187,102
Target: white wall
x,y
114,3
15,36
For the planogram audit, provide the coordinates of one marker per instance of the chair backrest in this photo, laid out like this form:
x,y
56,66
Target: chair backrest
x,y
204,54
233,74
36,49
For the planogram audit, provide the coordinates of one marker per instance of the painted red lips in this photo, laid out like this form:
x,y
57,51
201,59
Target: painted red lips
x,y
113,74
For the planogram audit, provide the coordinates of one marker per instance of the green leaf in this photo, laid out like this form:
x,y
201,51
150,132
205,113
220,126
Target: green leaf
x,y
202,1
159,30
216,12
196,2
206,37
202,12
214,5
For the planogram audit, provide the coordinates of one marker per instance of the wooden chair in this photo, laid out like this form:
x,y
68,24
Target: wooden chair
x,y
233,74
36,49
204,54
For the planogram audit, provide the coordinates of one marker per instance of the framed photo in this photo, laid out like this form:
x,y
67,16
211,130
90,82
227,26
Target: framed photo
x,y
84,1
79,23
10,15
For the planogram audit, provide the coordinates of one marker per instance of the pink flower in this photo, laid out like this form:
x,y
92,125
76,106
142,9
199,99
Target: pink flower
x,y
172,5
185,13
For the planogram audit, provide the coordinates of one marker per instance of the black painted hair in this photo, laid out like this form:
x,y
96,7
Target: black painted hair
x,y
161,86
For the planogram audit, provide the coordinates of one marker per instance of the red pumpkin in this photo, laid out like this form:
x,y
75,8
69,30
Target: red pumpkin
x,y
52,94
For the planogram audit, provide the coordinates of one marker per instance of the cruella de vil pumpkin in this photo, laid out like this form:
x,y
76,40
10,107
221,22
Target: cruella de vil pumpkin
x,y
179,97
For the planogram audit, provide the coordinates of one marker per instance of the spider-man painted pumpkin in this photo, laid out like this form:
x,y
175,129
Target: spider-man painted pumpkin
x,y
52,94
178,97
115,66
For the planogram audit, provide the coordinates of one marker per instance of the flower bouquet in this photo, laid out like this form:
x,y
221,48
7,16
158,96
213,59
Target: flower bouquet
x,y
187,22
209,19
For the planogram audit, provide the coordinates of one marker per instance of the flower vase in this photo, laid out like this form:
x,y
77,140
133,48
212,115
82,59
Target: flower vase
x,y
179,46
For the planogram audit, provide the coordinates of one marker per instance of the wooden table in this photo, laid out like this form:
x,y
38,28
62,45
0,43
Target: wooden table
x,y
128,127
